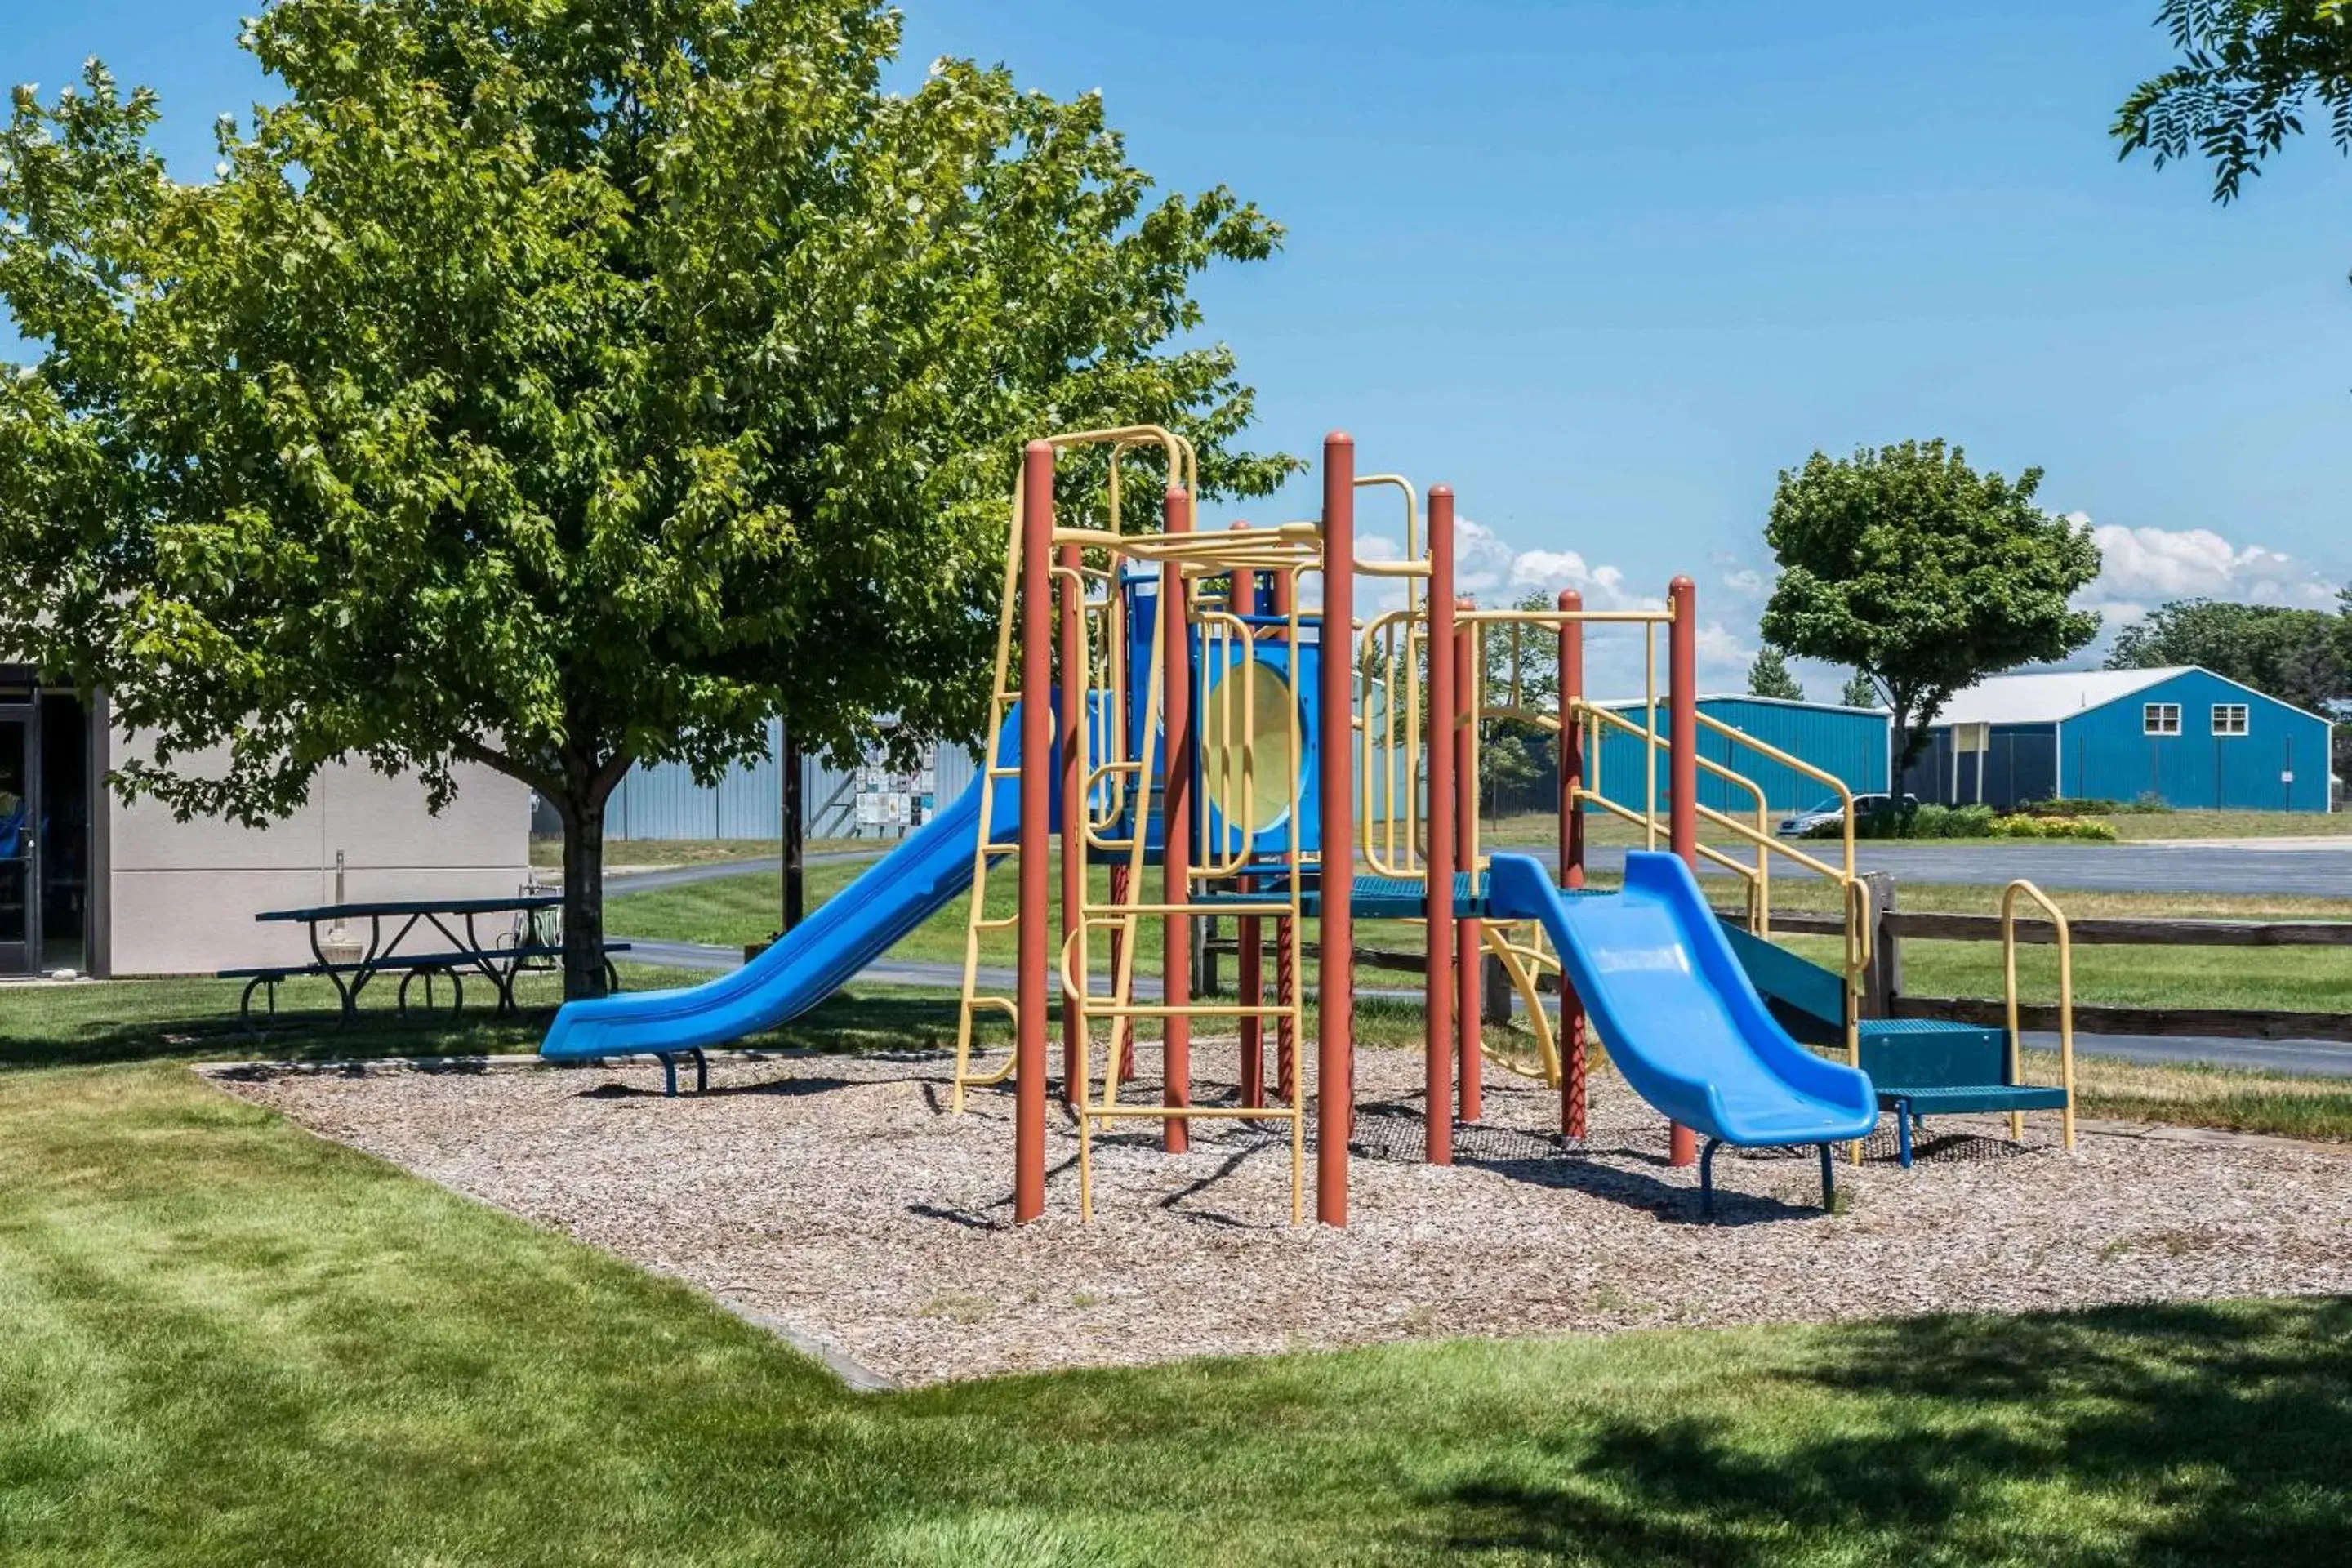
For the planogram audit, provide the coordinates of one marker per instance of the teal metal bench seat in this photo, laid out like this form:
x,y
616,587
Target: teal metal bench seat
x,y
1923,1066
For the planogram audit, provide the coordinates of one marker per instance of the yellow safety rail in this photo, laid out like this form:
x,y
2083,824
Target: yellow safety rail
x,y
2021,888
1525,960
1182,469
1293,551
1391,831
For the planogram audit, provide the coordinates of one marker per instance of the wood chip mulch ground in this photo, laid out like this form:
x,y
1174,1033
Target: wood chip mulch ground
x,y
836,1195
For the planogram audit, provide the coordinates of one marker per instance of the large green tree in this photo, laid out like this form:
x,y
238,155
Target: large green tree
x,y
1922,574
557,385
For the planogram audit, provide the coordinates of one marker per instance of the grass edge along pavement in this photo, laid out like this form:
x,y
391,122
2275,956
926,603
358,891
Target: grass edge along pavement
x,y
232,1342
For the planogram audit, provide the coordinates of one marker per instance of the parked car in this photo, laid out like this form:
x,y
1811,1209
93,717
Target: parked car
x,y
1833,810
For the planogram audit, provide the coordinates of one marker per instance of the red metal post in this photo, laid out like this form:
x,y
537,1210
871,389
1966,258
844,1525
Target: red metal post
x,y
1335,1086
1176,829
1074,807
1437,1066
1286,974
1249,936
1572,1119
1036,796
1469,939
1682,766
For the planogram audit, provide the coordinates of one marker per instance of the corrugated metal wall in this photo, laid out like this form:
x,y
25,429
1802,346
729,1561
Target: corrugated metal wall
x,y
1845,741
2020,764
664,801
2280,763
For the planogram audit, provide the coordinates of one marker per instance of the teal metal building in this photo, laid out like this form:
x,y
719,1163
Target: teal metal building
x,y
2182,734
1848,742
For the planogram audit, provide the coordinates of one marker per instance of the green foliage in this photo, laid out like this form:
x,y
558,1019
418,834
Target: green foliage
x,y
2248,70
1770,676
2053,825
1858,692
1966,822
2302,657
2094,805
1924,575
1523,674
555,387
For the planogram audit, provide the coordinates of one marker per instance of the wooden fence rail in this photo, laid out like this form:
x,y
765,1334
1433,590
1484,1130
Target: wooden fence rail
x,y
1884,996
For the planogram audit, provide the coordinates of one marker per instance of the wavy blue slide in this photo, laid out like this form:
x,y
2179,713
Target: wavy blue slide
x,y
931,870
1679,1015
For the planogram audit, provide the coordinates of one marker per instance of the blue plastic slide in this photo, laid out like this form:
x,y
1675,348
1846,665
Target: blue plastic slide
x,y
1679,1015
928,870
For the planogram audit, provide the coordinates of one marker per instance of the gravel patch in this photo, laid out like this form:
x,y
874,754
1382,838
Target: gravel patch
x,y
836,1195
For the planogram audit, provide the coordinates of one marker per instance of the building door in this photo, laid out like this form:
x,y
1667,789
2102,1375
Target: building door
x,y
20,935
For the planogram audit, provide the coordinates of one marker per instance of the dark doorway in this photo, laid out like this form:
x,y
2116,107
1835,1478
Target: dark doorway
x,y
45,828
64,871
19,908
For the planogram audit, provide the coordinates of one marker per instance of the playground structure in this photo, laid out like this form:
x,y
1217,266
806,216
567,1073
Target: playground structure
x,y
1184,657
1208,703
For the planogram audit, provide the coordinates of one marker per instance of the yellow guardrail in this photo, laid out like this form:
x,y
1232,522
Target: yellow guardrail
x,y
2023,888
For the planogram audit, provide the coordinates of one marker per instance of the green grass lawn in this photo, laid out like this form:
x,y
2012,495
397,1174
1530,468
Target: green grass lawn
x,y
546,854
231,1342
735,909
2287,979
732,910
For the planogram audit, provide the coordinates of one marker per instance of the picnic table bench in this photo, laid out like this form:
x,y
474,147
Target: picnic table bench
x,y
518,945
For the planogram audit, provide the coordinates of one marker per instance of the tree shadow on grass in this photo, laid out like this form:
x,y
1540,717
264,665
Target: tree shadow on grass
x,y
2183,1433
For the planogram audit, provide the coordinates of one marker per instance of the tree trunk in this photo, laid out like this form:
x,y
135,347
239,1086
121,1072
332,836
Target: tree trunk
x,y
1908,744
795,838
584,897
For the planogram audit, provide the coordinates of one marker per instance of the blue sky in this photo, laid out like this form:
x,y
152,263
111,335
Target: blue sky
x,y
1606,268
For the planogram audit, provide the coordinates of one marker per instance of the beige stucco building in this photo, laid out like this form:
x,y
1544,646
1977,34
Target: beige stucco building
x,y
89,884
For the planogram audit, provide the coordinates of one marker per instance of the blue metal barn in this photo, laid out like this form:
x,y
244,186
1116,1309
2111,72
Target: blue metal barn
x,y
2182,736
1848,742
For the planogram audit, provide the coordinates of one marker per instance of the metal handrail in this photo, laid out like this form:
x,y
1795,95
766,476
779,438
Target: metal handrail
x,y
2008,898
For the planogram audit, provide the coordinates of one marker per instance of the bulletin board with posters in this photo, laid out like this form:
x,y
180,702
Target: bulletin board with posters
x,y
891,801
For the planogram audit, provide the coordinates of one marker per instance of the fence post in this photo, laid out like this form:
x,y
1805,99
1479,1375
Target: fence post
x,y
1883,982
1496,992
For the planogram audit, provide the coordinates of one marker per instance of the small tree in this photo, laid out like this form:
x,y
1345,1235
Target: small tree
x,y
554,387
1922,574
1770,676
1858,692
1510,751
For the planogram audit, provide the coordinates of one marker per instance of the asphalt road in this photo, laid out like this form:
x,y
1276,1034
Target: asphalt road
x,y
2301,869
2310,1059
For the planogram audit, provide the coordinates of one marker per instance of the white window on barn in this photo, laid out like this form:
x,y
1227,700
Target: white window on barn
x,y
2229,718
2159,719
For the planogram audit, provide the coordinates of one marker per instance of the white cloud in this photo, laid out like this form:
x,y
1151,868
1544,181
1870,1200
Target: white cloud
x,y
2143,567
1490,568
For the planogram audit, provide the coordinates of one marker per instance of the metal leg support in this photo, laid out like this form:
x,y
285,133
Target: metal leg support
x,y
701,1071
1828,1182
669,1073
1903,1132
1706,1178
